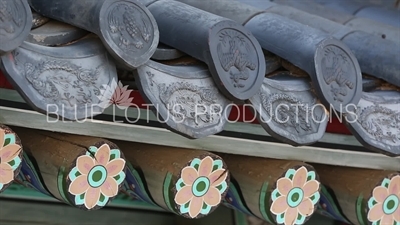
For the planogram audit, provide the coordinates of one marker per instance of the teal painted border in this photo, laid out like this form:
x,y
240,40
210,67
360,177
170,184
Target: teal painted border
x,y
359,210
240,218
263,198
62,186
167,197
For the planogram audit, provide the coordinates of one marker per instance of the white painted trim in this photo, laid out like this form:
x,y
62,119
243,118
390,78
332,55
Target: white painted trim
x,y
161,136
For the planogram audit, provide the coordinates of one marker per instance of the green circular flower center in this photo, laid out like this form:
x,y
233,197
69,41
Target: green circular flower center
x,y
97,176
295,197
391,204
201,186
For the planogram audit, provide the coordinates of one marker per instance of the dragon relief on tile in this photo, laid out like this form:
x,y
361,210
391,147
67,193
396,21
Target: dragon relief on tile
x,y
186,102
335,70
290,112
130,25
234,51
382,123
61,82
10,18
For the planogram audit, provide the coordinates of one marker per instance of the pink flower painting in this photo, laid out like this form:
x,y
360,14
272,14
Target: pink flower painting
x,y
295,196
10,158
96,178
200,187
384,205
